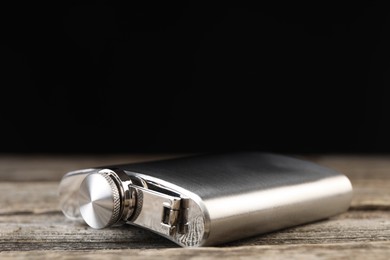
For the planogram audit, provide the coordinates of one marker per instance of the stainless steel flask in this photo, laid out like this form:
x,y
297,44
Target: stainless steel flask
x,y
206,199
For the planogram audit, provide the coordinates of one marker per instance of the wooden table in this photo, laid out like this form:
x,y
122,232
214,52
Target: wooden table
x,y
32,226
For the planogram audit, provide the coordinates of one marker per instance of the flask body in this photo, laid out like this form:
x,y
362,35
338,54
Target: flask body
x,y
212,199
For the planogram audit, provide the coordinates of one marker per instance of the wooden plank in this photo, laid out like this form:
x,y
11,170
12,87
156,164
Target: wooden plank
x,y
372,250
53,167
51,231
24,197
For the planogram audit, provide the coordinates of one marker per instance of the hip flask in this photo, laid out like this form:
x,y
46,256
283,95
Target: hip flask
x,y
206,199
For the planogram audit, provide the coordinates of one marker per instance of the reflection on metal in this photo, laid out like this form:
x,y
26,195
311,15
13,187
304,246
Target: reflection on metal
x,y
100,207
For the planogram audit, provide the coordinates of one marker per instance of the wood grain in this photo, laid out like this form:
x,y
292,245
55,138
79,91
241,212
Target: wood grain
x,y
52,168
353,250
51,231
30,219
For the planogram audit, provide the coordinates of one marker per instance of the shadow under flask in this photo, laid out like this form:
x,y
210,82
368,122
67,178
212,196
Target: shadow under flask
x,y
206,200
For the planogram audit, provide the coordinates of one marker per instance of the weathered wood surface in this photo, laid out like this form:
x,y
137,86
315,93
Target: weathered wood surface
x,y
30,219
377,251
52,168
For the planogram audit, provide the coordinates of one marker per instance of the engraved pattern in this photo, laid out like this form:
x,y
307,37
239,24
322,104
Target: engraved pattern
x,y
116,200
195,233
196,227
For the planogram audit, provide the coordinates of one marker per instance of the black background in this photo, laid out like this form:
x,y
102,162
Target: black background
x,y
105,77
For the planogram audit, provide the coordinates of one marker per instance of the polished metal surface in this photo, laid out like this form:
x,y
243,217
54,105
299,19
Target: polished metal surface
x,y
99,200
160,212
68,192
212,199
249,193
107,197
